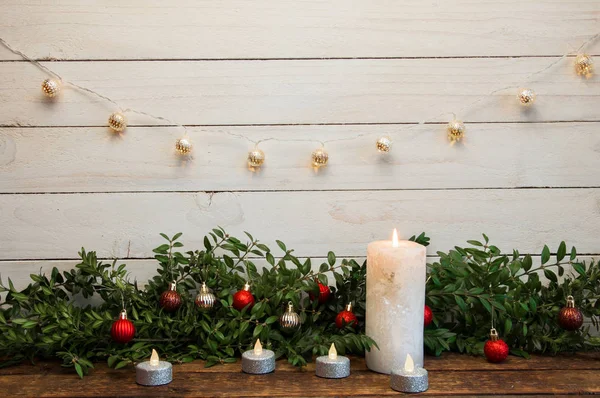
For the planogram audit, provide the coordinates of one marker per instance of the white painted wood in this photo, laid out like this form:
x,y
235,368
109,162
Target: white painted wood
x,y
133,29
143,159
127,225
306,91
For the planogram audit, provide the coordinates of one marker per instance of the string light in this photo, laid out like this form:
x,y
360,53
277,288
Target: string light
x,y
117,122
50,88
584,65
183,146
526,96
320,157
456,130
256,158
384,144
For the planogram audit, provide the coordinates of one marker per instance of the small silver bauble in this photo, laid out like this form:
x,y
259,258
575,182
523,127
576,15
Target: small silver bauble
x,y
456,130
50,88
290,319
384,144
526,96
205,300
584,65
256,158
320,157
117,121
183,146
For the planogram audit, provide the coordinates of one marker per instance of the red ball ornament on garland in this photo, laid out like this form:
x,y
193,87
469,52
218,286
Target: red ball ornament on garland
x,y
428,316
122,330
324,293
243,298
495,349
346,317
570,317
170,300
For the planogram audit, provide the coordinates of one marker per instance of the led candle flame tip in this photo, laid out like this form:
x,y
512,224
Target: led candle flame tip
x,y
409,365
395,238
332,352
258,348
154,358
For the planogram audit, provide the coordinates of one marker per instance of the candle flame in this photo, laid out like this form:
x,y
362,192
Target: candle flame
x,y
257,347
154,358
332,352
395,238
409,365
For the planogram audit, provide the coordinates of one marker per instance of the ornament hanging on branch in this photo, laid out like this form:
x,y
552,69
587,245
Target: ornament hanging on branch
x,y
170,300
117,122
183,146
346,317
205,300
324,293
50,88
495,349
456,130
290,319
584,65
428,316
243,298
122,330
526,96
570,317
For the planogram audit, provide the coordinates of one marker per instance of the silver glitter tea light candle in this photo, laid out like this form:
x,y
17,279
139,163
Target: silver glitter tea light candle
x,y
333,366
258,361
409,378
154,372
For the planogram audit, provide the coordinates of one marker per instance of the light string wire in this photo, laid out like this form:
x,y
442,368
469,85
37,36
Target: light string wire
x,y
427,120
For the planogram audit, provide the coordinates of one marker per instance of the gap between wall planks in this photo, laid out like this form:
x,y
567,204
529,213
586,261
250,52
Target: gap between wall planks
x,y
195,29
77,159
127,224
299,92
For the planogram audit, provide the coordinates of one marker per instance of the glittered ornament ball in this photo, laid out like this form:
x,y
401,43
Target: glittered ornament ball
x,y
290,320
384,144
170,300
584,65
256,158
122,330
243,298
205,300
117,121
50,87
183,146
570,317
526,96
495,349
428,316
456,130
324,293
320,157
346,317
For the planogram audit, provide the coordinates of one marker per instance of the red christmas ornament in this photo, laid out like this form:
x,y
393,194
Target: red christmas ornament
x,y
122,330
243,298
324,293
428,316
346,317
569,317
170,300
495,349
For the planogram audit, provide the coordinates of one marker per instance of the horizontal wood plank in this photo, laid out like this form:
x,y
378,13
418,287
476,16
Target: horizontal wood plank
x,y
138,29
301,92
466,379
127,224
143,159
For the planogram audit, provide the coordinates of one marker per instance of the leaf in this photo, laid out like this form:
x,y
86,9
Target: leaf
x,y
550,275
122,364
177,236
331,258
486,304
79,370
281,245
580,268
562,251
545,254
112,360
573,253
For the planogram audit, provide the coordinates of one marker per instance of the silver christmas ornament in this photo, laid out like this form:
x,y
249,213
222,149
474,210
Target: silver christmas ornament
x,y
290,319
205,300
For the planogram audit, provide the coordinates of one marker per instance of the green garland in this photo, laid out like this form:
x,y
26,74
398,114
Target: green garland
x,y
465,289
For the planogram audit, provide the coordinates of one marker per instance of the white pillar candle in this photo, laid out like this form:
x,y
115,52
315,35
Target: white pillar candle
x,y
396,273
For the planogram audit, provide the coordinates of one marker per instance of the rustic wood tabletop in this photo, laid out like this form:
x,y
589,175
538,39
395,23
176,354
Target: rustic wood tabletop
x,y
450,375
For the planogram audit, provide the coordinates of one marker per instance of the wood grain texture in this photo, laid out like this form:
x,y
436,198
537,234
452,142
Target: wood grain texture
x,y
143,159
56,226
452,375
138,29
305,91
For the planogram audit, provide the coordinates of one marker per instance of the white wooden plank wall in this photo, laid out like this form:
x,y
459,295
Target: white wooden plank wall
x,y
235,71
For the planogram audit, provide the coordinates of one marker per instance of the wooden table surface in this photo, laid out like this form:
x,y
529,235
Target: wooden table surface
x,y
450,375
